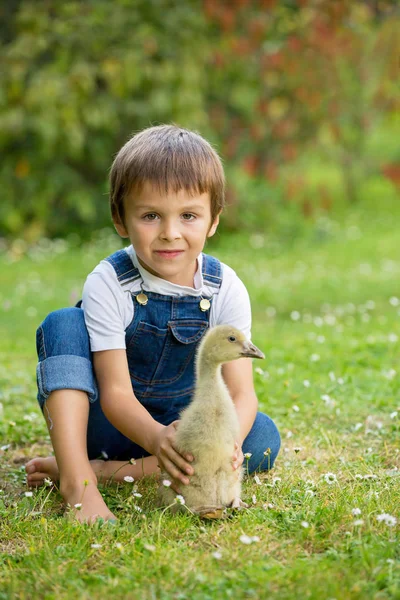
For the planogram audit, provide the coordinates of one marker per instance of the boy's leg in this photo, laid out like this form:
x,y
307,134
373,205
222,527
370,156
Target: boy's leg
x,y
65,378
65,362
263,443
68,410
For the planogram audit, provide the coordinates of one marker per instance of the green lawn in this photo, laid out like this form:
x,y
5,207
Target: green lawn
x,y
327,315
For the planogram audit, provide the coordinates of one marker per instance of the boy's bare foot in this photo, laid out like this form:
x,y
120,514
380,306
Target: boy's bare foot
x,y
39,469
85,501
90,504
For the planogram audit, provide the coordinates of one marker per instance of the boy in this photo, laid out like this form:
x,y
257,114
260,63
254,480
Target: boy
x,y
145,309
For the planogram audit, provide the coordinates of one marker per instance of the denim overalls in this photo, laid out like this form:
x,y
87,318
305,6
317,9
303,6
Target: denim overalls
x,y
161,342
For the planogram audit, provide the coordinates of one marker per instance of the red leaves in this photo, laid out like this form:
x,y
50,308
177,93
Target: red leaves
x,y
392,172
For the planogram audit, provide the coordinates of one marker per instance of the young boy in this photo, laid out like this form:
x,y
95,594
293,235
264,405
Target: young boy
x,y
144,310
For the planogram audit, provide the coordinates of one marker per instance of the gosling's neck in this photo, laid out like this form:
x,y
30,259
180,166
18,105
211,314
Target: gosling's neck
x,y
208,371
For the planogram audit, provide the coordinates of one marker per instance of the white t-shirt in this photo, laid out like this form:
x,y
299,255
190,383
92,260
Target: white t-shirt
x,y
108,307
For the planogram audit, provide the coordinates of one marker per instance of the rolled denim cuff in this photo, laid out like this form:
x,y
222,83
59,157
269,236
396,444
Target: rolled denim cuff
x,y
65,372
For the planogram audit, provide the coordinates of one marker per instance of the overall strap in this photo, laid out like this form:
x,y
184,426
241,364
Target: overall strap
x,y
124,267
212,271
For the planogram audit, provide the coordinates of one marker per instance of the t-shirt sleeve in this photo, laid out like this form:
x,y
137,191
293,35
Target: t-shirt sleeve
x,y
103,302
234,306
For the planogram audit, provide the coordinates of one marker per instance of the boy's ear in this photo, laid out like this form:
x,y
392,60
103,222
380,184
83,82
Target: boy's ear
x,y
120,227
214,226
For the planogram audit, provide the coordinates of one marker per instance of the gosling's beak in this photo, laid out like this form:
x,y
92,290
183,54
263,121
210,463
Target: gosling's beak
x,y
250,350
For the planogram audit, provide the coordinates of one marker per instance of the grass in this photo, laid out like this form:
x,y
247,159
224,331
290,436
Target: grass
x,y
327,315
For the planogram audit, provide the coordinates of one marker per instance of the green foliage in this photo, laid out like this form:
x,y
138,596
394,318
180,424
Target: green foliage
x,y
80,78
265,82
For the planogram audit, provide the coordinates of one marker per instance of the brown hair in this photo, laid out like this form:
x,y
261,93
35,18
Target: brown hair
x,y
170,158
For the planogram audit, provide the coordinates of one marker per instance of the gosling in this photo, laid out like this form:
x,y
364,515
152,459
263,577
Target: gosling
x,y
209,427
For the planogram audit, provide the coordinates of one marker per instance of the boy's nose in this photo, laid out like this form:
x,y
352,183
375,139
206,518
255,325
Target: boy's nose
x,y
170,232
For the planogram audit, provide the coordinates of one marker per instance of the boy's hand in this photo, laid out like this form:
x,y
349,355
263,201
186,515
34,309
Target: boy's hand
x,y
238,457
169,459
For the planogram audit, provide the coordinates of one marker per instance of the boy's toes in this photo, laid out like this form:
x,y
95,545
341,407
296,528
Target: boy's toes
x,y
36,479
30,466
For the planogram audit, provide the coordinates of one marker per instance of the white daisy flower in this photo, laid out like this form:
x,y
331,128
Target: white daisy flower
x,y
217,555
305,524
29,494
129,479
355,512
137,508
166,483
358,522
137,494
306,383
245,539
78,506
257,479
95,546
180,499
247,455
330,478
387,519
309,493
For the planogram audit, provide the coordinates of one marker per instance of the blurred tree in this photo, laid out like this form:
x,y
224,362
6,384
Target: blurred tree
x,y
264,80
295,75
79,78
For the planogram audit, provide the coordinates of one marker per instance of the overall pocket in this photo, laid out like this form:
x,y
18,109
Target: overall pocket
x,y
161,356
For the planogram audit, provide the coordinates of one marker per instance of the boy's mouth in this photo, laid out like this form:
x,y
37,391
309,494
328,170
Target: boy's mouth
x,y
168,253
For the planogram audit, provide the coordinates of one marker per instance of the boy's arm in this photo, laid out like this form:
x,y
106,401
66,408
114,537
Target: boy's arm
x,y
238,376
124,411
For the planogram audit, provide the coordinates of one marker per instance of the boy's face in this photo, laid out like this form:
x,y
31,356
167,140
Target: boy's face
x,y
168,231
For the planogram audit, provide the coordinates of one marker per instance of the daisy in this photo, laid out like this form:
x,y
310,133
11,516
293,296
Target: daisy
x,y
305,524
330,478
358,522
387,519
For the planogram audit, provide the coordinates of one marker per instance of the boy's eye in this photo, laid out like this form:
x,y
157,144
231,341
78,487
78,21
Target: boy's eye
x,y
188,216
150,217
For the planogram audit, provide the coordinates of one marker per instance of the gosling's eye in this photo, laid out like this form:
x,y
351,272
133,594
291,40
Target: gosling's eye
x,y
232,338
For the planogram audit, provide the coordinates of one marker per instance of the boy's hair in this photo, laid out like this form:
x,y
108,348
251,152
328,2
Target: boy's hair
x,y
170,158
